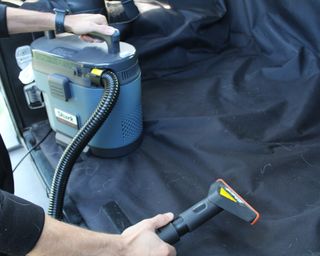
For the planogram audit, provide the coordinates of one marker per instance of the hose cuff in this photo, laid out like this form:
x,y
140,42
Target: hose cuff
x,y
3,21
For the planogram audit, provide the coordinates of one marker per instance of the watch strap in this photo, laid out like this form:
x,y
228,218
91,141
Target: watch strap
x,y
59,20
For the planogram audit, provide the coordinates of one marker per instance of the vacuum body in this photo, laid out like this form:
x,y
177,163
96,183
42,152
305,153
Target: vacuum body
x,y
63,69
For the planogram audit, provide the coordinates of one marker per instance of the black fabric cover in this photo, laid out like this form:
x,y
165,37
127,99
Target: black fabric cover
x,y
6,175
230,90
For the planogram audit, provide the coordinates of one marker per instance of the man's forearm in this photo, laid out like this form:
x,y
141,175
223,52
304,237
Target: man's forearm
x,y
58,238
23,21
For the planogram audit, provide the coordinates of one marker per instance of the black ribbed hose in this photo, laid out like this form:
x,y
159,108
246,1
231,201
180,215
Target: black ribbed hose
x,y
82,138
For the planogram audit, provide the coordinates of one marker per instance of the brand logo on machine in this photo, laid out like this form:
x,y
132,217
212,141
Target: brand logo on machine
x,y
66,118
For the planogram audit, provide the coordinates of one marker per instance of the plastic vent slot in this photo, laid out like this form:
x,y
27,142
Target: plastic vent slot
x,y
129,73
131,126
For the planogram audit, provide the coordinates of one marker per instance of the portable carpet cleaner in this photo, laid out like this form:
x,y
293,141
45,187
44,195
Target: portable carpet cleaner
x,y
92,94
72,76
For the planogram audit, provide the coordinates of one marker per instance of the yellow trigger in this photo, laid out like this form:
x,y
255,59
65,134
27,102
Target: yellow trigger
x,y
226,194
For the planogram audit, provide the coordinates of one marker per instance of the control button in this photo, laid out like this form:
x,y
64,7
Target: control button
x,y
199,208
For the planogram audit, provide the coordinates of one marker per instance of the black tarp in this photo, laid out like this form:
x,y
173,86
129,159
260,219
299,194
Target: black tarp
x,y
230,90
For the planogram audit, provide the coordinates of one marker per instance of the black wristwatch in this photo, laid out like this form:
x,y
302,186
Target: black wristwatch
x,y
59,20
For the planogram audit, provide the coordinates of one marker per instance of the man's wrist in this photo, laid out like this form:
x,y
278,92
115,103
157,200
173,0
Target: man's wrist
x,y
51,21
100,244
68,23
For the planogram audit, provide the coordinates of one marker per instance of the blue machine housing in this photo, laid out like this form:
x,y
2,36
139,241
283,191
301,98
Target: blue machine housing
x,y
62,68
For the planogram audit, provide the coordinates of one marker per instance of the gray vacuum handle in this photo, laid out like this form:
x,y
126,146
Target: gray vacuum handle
x,y
112,41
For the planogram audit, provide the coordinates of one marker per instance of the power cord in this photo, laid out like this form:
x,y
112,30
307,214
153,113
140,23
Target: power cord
x,y
31,149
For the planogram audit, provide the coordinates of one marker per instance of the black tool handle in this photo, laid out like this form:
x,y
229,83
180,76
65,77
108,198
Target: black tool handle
x,y
112,41
221,197
189,220
169,234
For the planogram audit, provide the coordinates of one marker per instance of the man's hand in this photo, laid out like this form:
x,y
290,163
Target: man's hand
x,y
141,238
82,24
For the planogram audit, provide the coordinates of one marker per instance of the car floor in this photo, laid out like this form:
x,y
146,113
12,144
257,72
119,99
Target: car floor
x,y
28,184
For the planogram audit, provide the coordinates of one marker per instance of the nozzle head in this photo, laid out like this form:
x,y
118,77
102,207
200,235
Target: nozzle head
x,y
222,195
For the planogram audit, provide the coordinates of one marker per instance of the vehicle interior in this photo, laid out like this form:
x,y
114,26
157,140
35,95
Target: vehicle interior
x,y
229,90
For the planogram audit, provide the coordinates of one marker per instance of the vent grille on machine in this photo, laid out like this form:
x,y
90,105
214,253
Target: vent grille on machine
x,y
129,73
131,126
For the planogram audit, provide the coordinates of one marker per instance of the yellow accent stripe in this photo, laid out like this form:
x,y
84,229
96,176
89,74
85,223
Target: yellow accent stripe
x,y
225,194
97,72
